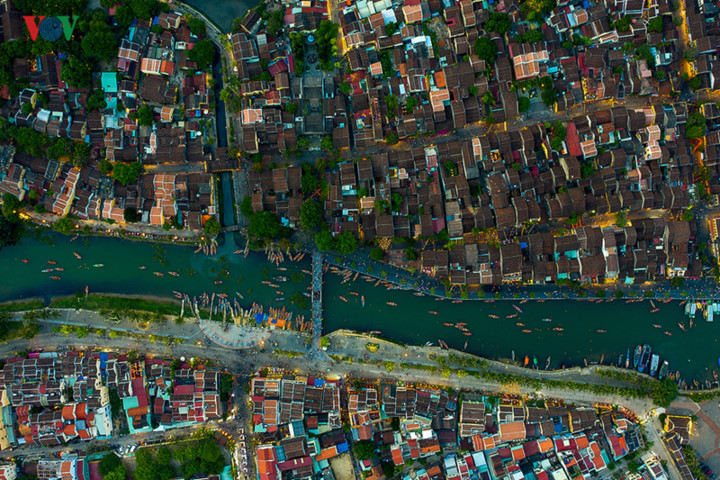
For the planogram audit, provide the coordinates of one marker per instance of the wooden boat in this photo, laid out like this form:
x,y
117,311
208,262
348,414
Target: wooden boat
x,y
362,300
158,274
668,333
527,360
142,267
457,301
343,299
98,265
682,327
511,316
656,325
47,270
218,282
558,329
519,324
59,269
174,274
517,308
25,260
54,277
467,334
601,331
654,310
447,324
279,299
546,320
492,315
392,304
432,312
52,262
77,255
527,331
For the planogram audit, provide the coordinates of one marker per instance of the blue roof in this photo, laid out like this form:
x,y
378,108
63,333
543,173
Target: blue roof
x,y
319,382
109,82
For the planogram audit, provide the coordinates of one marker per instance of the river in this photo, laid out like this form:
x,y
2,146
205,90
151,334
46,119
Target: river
x,y
693,353
223,13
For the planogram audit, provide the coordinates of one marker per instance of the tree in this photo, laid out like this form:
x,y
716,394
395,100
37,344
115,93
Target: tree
x,y
127,173
203,53
532,36
246,206
486,49
364,450
11,207
131,215
197,26
535,10
325,38
556,143
623,24
411,254
411,103
212,226
275,21
346,243
64,226
327,143
124,15
345,88
311,214
164,455
303,143
105,167
391,28
99,41
145,115
549,97
309,181
655,24
498,23
392,138
96,100
473,90
324,240
695,126
109,463
291,108
377,254
523,104
264,225
695,82
76,72
488,98
392,103
677,282
396,201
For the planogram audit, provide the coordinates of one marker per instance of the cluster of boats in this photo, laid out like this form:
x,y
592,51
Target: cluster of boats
x,y
647,362
708,309
462,326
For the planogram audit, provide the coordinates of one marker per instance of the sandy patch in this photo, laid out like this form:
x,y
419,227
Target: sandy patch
x,y
342,467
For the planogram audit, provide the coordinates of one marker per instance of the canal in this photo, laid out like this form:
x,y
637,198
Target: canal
x,y
576,330
223,13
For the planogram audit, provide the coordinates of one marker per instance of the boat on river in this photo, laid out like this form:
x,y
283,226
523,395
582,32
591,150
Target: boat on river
x,y
25,260
601,331
54,277
492,315
558,329
59,269
663,370
527,360
47,270
52,262
99,265
142,267
157,274
645,358
362,300
77,255
279,299
527,331
174,274
682,327
392,304
519,310
456,301
546,320
627,359
520,324
654,362
636,356
656,325
343,298
433,312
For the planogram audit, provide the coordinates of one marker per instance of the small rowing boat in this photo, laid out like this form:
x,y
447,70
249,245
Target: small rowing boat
x,y
448,324
362,300
25,260
52,262
174,274
98,265
601,331
457,301
218,282
54,278
520,324
158,274
59,269
77,255
392,304
546,320
668,333
558,329
432,312
527,331
343,299
519,310
656,325
47,270
492,315
142,267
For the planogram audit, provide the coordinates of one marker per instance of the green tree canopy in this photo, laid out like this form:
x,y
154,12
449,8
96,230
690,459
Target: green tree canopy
x,y
197,26
212,226
11,207
99,41
64,226
325,38
498,22
655,24
106,167
377,253
523,104
76,72
309,180
131,215
532,36
109,463
695,126
486,49
324,240
145,115
346,243
127,173
364,450
265,225
203,53
311,214
246,206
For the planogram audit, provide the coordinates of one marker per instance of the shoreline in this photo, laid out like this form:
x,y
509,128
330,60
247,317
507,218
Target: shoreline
x,y
499,363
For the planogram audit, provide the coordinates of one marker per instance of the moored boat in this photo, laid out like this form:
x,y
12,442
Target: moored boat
x,y
52,262
343,298
601,331
645,358
627,359
654,362
636,356
520,324
663,370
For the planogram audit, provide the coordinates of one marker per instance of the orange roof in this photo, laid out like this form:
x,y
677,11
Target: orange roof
x,y
512,431
596,457
518,453
68,412
545,445
582,442
440,79
397,455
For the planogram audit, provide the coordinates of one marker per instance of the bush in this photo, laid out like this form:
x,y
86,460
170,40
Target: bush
x,y
377,254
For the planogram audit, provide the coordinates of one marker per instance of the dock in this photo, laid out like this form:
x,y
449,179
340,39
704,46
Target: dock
x,y
316,352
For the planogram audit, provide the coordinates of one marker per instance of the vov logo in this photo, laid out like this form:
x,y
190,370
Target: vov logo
x,y
50,28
